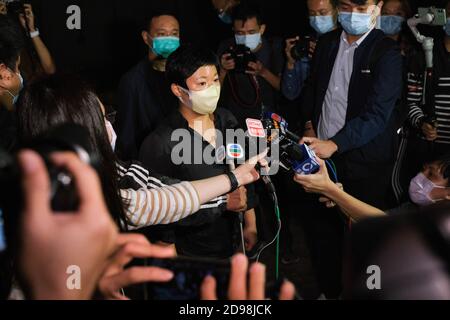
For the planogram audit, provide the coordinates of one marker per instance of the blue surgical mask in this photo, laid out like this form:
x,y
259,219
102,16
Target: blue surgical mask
x,y
252,41
322,24
447,27
225,18
391,25
356,24
165,46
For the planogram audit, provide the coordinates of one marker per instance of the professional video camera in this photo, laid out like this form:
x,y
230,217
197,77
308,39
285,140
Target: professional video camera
x,y
302,48
293,156
242,56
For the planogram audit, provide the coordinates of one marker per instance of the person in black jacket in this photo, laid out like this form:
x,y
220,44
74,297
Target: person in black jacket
x,y
144,96
351,102
350,98
213,233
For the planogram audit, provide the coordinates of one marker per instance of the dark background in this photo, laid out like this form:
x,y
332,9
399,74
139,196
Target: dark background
x,y
110,41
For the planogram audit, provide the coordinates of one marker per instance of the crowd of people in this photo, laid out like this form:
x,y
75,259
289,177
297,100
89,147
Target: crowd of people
x,y
365,101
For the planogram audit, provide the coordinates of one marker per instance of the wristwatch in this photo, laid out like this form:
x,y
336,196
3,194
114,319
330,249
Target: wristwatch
x,y
34,34
233,181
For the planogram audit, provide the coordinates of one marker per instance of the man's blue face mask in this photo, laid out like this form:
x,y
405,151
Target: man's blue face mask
x,y
356,24
165,46
391,25
322,24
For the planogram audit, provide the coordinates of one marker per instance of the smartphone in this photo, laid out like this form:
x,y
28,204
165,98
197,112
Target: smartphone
x,y
189,274
440,15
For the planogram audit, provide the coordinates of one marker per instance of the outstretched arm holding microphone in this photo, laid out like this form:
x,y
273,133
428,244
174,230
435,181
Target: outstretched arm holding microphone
x,y
321,183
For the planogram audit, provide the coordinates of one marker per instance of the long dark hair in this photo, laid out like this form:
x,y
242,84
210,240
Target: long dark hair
x,y
62,99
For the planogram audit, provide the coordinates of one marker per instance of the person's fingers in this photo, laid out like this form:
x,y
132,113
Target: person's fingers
x,y
238,279
125,238
135,250
208,289
137,275
287,291
36,185
86,180
257,290
308,140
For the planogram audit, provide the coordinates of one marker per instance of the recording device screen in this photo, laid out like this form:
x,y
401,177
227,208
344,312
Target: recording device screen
x,y
439,14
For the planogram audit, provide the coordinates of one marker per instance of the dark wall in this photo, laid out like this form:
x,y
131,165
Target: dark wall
x,y
110,42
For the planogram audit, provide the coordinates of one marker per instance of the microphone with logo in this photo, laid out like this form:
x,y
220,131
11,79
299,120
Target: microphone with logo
x,y
235,152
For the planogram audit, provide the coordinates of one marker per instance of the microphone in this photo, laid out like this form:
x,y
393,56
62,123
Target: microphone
x,y
236,152
298,158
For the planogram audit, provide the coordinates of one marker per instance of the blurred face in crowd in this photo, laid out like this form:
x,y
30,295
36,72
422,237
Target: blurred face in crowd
x,y
163,35
249,33
430,185
322,15
10,80
203,91
393,15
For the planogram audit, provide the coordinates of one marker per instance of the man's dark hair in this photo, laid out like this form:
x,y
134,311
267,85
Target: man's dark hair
x,y
358,2
147,22
444,163
185,61
246,11
11,42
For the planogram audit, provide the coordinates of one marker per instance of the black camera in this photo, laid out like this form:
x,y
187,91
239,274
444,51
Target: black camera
x,y
302,48
242,56
16,7
64,198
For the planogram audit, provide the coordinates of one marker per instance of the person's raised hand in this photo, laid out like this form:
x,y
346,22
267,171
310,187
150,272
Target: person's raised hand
x,y
243,287
51,243
117,277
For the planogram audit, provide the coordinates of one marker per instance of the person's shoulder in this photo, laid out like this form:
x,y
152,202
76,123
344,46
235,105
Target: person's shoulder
x,y
226,117
137,73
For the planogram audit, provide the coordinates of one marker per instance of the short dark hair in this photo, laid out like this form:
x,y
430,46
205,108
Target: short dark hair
x,y
156,14
11,42
246,11
186,60
444,163
358,2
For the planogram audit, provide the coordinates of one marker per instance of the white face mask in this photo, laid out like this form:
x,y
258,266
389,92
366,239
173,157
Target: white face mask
x,y
203,102
252,41
111,134
420,190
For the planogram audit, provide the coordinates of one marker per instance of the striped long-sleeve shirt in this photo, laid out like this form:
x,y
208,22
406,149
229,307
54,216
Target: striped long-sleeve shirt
x,y
153,200
441,95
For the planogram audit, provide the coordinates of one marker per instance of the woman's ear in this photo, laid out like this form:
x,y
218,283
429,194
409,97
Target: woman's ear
x,y
176,91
